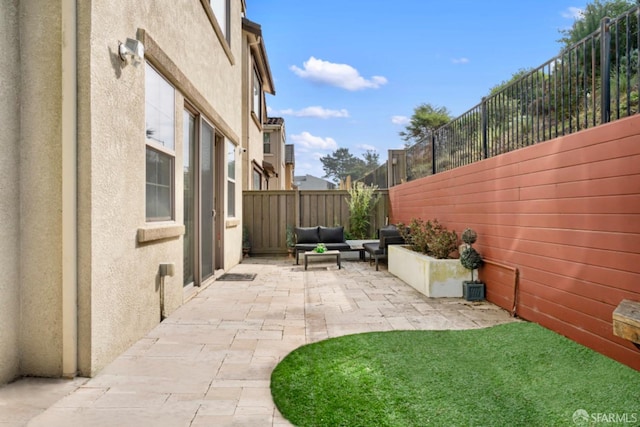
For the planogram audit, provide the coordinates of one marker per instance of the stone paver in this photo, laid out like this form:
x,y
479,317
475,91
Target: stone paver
x,y
210,362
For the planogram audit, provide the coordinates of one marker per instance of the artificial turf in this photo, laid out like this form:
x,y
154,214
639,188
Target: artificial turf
x,y
517,374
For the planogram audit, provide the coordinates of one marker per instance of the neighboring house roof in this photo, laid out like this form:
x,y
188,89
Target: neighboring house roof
x,y
310,182
260,53
275,121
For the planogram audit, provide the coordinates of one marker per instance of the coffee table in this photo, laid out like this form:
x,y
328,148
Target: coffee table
x,y
311,254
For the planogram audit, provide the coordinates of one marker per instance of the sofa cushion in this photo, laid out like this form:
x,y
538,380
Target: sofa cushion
x,y
331,234
338,246
373,248
307,235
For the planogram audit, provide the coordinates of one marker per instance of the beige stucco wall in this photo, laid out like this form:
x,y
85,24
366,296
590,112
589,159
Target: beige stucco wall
x,y
276,157
9,190
40,188
118,285
119,292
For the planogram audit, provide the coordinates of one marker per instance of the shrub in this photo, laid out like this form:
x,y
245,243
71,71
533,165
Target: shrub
x,y
361,202
429,237
290,236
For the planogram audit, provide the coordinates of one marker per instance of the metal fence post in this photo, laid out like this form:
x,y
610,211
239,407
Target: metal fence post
x,y
485,137
433,153
605,68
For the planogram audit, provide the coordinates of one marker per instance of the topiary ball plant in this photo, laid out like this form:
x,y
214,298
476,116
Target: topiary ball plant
x,y
471,260
469,236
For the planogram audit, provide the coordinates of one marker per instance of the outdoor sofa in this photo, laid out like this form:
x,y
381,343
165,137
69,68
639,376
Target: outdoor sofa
x,y
307,238
388,235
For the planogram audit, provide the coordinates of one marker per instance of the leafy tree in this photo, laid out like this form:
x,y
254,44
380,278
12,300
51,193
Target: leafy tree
x,y
514,77
341,163
372,159
591,17
370,163
425,119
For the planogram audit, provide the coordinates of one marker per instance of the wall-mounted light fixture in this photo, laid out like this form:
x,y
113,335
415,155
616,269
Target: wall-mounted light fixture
x,y
131,51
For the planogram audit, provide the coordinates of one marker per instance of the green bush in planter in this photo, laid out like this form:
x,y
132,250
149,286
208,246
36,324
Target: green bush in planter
x,y
429,237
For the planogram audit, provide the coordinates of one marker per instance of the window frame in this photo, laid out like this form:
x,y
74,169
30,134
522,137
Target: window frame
x,y
167,151
266,143
224,26
256,174
256,95
225,39
231,159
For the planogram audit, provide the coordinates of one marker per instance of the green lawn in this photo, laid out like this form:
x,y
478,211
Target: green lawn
x,y
517,374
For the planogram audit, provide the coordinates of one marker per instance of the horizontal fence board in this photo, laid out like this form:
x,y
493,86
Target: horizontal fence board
x,y
565,212
268,214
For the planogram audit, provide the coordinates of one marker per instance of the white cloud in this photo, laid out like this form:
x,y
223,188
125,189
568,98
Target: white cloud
x,y
317,112
573,13
340,75
305,139
460,60
400,120
366,147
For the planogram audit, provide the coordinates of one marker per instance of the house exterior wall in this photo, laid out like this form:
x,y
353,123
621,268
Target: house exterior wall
x,y
119,280
565,213
9,190
276,157
252,125
118,284
40,186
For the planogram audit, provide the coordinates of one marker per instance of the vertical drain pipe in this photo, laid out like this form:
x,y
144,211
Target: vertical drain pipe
x,y
166,269
69,139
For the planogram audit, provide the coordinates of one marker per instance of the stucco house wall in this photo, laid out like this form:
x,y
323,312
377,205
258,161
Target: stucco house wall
x,y
73,185
9,190
123,301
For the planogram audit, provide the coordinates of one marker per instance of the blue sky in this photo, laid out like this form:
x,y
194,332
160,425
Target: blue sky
x,y
349,73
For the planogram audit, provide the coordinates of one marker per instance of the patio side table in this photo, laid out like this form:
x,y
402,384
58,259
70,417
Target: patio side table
x,y
311,254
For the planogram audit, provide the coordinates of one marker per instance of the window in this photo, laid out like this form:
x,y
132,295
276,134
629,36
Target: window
x,y
160,146
231,179
256,106
221,11
257,180
266,143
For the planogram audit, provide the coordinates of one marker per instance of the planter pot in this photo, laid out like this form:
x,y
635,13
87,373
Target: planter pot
x,y
473,291
436,278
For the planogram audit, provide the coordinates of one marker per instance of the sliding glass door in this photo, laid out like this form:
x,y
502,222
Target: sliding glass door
x,y
199,210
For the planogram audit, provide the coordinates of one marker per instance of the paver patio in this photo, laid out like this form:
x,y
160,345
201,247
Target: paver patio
x,y
210,362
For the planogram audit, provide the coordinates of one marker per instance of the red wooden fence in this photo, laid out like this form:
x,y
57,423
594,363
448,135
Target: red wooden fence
x,y
565,214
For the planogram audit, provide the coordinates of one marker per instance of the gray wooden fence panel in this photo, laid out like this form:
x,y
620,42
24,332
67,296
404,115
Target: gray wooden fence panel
x,y
266,215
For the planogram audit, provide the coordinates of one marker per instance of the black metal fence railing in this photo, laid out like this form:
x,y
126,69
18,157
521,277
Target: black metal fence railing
x,y
589,83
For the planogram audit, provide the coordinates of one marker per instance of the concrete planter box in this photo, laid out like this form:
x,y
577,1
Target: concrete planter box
x,y
436,278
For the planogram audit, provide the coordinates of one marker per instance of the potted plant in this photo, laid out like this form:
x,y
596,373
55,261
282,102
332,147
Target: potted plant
x,y
473,290
246,242
429,261
320,248
291,240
